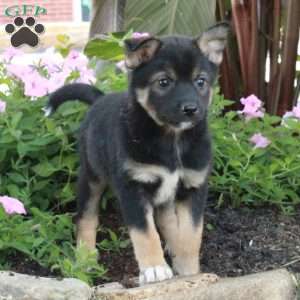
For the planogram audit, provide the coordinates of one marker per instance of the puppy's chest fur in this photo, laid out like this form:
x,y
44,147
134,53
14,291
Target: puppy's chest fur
x,y
167,182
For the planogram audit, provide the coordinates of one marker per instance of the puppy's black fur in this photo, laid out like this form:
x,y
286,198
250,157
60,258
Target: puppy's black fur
x,y
152,146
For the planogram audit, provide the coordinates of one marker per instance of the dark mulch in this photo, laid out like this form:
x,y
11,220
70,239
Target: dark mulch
x,y
236,242
245,241
21,264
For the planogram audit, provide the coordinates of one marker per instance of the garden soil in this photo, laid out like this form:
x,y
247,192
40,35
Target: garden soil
x,y
235,242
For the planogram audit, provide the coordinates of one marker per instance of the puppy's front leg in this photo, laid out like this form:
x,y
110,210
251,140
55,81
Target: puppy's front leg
x,y
149,253
183,233
138,215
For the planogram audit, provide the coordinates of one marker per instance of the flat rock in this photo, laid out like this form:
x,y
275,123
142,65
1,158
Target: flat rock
x,y
14,286
272,285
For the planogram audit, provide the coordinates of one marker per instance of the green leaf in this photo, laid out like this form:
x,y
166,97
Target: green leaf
x,y
16,178
63,38
16,119
13,190
170,17
44,169
104,49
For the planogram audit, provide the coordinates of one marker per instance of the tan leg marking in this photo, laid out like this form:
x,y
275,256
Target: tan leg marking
x,y
147,245
182,237
88,223
87,231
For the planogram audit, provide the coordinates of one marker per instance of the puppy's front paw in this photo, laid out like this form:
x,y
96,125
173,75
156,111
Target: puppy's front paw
x,y
156,273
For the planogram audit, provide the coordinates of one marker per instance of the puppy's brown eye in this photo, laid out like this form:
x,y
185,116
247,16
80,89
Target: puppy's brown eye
x,y
200,81
164,82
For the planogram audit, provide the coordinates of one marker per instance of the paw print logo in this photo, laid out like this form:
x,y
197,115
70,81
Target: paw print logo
x,y
24,32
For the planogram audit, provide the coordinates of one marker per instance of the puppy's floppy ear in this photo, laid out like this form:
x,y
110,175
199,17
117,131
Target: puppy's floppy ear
x,y
140,50
213,41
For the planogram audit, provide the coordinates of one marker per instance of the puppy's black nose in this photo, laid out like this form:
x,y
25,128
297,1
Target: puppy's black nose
x,y
189,109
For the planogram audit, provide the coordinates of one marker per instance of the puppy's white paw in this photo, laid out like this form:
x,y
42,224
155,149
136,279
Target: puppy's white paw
x,y
156,273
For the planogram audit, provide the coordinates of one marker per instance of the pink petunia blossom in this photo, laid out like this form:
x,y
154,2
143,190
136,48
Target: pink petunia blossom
x,y
19,71
288,114
259,141
10,53
35,85
56,81
139,35
296,111
57,69
75,61
51,66
2,106
252,107
87,76
12,205
52,61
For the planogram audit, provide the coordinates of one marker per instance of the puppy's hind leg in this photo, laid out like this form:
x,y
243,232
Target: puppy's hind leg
x,y
89,194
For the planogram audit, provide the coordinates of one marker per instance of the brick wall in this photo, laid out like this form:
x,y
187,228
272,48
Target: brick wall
x,y
57,10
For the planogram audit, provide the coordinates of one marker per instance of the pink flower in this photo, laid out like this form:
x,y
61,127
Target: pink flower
x,y
12,205
35,85
139,35
52,61
259,141
2,106
57,80
288,114
57,69
252,107
19,71
10,53
87,76
296,111
75,61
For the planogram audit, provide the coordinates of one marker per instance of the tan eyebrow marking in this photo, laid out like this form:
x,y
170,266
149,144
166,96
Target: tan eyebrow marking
x,y
168,72
198,72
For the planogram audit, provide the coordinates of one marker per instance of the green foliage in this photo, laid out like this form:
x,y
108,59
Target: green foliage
x,y
170,16
107,47
83,265
243,175
114,243
34,150
64,44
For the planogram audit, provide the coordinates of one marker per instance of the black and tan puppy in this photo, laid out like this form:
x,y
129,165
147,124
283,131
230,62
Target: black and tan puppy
x,y
152,146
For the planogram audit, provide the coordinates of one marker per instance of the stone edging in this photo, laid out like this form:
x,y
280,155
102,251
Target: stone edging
x,y
272,285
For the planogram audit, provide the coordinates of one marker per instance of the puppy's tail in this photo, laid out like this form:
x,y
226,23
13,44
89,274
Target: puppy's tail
x,y
76,91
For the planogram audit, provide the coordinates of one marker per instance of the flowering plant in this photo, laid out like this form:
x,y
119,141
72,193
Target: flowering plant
x,y
257,159
49,73
38,159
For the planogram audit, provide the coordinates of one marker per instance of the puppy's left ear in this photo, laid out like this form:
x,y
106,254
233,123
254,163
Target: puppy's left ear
x,y
140,50
213,41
